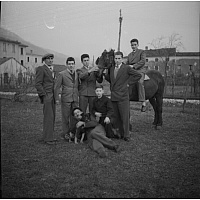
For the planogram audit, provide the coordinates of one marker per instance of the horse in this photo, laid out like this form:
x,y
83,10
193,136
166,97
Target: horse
x,y
154,86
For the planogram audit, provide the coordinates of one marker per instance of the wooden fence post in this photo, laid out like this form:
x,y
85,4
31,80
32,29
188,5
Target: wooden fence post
x,y
186,90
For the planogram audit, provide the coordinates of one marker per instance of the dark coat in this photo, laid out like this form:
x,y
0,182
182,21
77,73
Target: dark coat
x,y
119,86
44,83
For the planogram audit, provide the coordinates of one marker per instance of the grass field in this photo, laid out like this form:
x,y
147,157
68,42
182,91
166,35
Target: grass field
x,y
155,164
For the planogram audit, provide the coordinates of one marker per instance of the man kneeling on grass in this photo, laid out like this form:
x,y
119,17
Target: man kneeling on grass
x,y
95,133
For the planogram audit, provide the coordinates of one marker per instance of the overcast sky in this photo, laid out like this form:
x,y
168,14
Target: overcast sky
x,y
78,27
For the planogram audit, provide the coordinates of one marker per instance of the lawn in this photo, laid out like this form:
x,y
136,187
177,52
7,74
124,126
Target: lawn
x,y
155,164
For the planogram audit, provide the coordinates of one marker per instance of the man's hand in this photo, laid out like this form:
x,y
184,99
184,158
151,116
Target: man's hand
x,y
98,114
57,102
107,120
79,124
93,69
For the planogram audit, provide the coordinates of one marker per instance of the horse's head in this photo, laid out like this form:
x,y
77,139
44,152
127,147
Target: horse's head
x,y
106,60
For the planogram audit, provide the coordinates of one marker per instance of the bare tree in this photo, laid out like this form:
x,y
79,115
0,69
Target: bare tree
x,y
165,47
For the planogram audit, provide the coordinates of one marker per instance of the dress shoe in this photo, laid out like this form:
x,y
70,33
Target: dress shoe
x,y
143,109
102,153
51,142
117,148
127,139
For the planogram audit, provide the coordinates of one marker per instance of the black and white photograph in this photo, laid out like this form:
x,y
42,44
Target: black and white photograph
x,y
100,99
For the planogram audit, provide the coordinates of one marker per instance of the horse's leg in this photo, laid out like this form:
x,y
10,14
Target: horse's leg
x,y
159,103
154,105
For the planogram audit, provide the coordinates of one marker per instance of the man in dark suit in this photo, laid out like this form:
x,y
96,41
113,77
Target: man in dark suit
x,y
103,111
118,76
68,81
137,60
44,84
87,77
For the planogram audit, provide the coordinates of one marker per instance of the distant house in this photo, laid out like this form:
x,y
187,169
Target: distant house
x,y
12,48
171,61
33,60
12,73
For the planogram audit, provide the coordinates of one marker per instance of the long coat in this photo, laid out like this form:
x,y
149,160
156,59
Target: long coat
x,y
137,59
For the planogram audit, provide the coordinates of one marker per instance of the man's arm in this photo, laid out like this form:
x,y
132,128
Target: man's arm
x,y
57,86
140,63
39,81
110,110
82,75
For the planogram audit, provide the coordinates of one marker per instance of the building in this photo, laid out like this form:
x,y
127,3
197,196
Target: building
x,y
167,60
12,73
11,48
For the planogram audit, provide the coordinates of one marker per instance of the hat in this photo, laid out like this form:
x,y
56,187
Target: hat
x,y
49,55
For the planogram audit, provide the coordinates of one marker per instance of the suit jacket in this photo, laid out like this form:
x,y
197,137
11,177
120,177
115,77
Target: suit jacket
x,y
87,82
69,88
44,83
119,86
137,59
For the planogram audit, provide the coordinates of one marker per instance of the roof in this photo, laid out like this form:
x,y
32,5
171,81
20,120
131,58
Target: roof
x,y
12,41
160,52
3,60
188,54
8,40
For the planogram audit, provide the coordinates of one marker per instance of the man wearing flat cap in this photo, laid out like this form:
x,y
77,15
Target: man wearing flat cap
x,y
44,83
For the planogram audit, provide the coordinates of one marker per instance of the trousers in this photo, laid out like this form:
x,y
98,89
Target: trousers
x,y
97,139
49,109
141,90
66,109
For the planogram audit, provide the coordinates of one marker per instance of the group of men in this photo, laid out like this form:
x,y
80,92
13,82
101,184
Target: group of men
x,y
82,92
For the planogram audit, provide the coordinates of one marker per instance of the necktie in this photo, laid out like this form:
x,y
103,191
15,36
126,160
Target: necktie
x,y
116,71
51,69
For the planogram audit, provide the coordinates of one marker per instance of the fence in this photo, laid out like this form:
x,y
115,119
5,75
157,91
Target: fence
x,y
179,86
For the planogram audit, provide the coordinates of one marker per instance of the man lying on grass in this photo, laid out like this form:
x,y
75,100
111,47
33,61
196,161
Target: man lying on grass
x,y
95,133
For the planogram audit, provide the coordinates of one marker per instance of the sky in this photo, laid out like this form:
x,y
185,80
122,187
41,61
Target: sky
x,y
77,27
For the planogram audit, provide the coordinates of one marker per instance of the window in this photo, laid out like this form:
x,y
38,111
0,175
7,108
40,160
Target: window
x,y
156,59
27,59
22,62
5,77
35,60
4,47
156,68
21,51
13,48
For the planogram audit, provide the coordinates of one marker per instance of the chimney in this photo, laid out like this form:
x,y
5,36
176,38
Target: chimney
x,y
146,47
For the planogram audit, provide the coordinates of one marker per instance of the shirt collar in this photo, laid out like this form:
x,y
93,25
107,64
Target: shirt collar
x,y
119,65
70,71
49,66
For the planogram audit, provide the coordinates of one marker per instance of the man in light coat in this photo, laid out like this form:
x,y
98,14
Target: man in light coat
x,y
68,81
136,59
